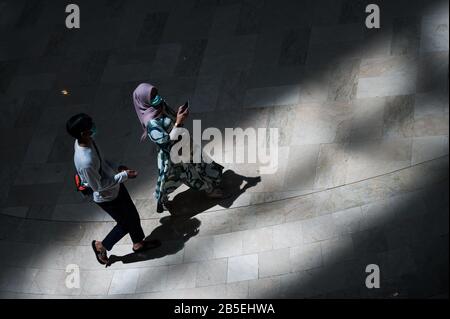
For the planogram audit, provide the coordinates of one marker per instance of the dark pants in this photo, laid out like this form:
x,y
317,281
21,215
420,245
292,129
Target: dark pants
x,y
123,211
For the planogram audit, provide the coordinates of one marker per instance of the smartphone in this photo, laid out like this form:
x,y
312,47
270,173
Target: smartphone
x,y
185,106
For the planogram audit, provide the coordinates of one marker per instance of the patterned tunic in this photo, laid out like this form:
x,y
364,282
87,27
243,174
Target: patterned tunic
x,y
199,176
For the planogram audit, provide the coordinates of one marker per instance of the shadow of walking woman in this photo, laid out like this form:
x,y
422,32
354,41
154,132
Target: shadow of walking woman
x,y
192,202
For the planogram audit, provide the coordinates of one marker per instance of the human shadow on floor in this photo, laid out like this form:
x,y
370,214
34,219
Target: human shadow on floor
x,y
175,230
192,202
173,233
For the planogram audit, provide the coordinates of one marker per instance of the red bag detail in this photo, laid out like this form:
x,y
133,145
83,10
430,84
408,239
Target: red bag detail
x,y
78,184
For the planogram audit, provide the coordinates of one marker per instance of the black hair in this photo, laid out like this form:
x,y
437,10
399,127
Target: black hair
x,y
77,124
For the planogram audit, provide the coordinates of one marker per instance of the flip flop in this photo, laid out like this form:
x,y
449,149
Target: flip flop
x,y
99,254
154,243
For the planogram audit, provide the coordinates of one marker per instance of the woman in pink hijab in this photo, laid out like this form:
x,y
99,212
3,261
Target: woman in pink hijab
x,y
159,122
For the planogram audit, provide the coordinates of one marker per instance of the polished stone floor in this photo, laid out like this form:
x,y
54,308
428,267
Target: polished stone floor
x,y
363,119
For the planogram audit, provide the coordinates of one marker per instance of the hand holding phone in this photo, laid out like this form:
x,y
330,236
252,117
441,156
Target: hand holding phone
x,y
184,107
183,112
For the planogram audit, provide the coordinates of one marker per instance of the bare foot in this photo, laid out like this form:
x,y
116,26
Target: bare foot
x,y
101,252
138,246
99,246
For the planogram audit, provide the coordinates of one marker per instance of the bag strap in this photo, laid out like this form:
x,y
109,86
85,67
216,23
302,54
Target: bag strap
x,y
78,183
99,156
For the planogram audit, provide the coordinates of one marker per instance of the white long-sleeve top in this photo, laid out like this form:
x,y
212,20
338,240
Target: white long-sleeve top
x,y
175,132
106,183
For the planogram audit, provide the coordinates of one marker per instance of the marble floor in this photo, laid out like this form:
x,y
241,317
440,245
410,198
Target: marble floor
x,y
363,120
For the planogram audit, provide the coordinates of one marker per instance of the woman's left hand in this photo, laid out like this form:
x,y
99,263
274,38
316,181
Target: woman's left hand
x,y
181,115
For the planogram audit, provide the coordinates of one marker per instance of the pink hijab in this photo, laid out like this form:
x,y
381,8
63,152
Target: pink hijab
x,y
144,111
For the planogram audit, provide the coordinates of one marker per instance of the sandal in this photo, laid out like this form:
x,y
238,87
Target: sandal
x,y
154,243
100,255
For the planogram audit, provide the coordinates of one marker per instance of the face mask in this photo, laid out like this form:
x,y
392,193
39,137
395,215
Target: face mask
x,y
93,130
156,100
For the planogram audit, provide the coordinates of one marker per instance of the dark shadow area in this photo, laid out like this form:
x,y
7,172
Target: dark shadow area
x,y
191,202
177,229
173,233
